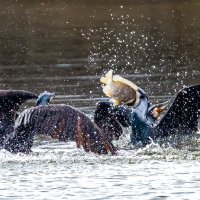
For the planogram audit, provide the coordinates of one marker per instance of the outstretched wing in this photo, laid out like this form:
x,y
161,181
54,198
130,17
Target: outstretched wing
x,y
110,119
61,122
10,100
182,116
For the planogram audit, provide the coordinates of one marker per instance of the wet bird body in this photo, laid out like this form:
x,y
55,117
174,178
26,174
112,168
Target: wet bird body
x,y
181,117
183,114
10,101
65,123
61,122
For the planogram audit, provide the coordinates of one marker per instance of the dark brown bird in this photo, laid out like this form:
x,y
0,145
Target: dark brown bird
x,y
61,122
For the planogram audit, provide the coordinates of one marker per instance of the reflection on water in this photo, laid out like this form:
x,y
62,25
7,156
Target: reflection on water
x,y
64,47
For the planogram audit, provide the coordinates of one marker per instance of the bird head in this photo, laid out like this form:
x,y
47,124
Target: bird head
x,y
44,98
155,110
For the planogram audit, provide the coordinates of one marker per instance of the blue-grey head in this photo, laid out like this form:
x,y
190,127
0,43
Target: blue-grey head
x,y
44,98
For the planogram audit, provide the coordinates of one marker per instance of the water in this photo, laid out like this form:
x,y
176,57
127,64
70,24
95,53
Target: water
x,y
65,47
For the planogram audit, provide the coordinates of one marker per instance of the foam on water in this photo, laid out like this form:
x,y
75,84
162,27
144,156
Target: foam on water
x,y
59,170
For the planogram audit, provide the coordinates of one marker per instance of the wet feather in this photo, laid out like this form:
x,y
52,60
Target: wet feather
x,y
61,122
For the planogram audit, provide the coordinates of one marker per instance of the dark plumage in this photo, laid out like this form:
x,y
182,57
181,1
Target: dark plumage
x,y
183,114
106,120
61,122
112,118
66,123
10,101
180,118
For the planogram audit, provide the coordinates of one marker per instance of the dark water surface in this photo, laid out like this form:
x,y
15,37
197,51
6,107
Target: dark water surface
x,y
64,47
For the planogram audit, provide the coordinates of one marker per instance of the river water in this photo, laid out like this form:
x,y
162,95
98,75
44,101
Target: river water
x,y
65,47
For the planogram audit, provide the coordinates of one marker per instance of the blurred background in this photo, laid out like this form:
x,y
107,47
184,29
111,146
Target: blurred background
x,y
66,46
